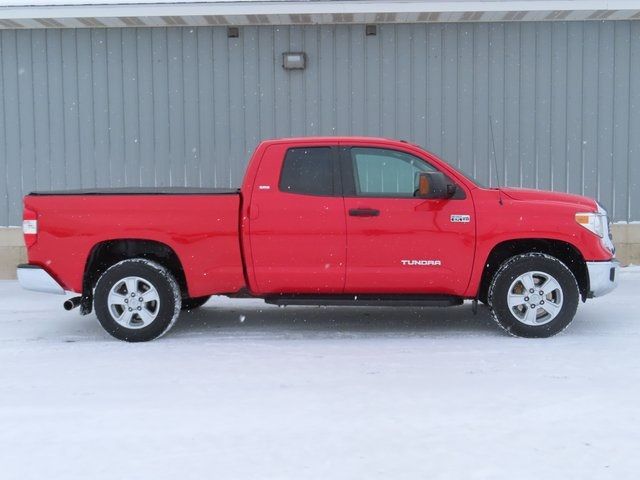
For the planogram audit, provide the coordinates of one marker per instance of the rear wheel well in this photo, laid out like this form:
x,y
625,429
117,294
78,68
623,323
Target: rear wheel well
x,y
563,251
108,253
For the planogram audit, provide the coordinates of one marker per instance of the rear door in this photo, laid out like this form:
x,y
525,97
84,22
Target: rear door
x,y
297,221
398,243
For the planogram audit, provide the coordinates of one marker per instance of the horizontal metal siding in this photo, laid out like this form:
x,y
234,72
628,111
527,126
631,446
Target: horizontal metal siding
x,y
187,106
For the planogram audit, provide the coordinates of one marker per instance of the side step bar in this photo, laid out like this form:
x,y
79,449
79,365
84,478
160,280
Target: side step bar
x,y
366,300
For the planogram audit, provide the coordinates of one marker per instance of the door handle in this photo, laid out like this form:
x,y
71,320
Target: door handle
x,y
364,212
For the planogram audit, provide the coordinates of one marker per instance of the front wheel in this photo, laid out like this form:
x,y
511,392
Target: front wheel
x,y
533,295
137,300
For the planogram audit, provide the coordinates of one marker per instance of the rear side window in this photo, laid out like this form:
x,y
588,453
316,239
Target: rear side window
x,y
308,171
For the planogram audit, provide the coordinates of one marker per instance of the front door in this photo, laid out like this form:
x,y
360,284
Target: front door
x,y
297,222
397,243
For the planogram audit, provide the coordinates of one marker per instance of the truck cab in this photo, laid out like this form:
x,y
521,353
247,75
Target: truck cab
x,y
378,234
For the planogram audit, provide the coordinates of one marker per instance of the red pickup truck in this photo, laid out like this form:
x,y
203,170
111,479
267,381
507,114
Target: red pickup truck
x,y
322,221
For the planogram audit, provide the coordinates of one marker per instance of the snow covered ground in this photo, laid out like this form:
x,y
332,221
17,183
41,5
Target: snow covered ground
x,y
244,390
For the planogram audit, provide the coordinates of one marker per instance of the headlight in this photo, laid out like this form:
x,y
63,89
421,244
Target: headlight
x,y
595,222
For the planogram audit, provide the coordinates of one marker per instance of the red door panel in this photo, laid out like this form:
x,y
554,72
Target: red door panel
x,y
397,243
298,241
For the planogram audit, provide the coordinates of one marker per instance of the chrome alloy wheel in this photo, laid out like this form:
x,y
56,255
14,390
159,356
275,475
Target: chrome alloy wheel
x,y
133,302
535,298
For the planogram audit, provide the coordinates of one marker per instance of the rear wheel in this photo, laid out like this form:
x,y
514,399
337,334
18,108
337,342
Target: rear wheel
x,y
195,302
533,295
137,300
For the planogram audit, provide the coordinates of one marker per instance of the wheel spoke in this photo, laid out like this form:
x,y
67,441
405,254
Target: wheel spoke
x,y
551,285
530,316
150,295
527,281
132,285
116,298
515,300
125,318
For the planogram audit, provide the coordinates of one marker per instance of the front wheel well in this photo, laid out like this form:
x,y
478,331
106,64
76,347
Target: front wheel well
x,y
108,253
563,251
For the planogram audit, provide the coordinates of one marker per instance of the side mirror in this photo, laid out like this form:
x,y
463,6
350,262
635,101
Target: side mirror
x,y
435,185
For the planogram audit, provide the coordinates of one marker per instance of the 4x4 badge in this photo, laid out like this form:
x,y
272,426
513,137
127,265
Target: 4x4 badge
x,y
460,218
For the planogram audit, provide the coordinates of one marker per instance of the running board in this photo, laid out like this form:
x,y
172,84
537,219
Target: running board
x,y
367,300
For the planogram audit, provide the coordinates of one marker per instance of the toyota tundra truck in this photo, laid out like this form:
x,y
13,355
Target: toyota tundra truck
x,y
321,221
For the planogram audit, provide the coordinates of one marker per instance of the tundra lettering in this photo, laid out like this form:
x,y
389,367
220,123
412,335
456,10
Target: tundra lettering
x,y
321,221
426,263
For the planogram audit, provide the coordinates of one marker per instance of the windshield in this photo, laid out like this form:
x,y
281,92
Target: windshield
x,y
459,170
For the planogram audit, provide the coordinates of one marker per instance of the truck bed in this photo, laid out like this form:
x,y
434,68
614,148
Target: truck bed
x,y
199,224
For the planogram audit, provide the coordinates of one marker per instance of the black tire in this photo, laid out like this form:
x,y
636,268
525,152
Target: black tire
x,y
193,303
513,319
166,309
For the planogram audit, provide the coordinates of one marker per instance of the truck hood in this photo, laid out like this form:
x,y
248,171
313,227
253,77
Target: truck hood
x,y
531,195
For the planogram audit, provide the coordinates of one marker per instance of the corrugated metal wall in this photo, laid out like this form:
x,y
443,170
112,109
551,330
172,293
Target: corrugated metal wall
x,y
186,106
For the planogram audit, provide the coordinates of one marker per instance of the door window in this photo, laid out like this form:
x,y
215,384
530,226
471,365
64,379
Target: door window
x,y
308,171
386,173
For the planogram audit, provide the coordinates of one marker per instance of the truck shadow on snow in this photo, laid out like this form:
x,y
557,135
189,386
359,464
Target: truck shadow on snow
x,y
257,318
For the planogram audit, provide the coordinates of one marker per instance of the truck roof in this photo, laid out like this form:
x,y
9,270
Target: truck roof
x,y
337,139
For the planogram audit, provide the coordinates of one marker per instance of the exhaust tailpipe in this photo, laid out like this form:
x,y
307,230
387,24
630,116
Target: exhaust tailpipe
x,y
71,303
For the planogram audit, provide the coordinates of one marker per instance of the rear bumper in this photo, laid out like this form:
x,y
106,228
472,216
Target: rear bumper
x,y
32,277
603,277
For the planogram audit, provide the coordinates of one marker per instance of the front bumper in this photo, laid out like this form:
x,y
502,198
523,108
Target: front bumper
x,y
32,277
603,277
